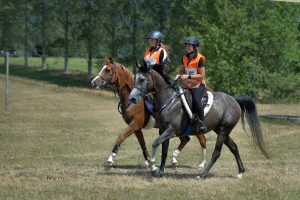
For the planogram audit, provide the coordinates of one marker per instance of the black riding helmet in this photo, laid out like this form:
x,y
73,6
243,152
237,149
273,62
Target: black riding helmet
x,y
156,35
192,40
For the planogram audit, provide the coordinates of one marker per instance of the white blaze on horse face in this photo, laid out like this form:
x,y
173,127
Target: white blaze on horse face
x,y
104,67
140,76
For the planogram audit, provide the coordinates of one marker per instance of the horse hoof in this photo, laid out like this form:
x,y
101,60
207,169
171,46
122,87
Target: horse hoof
x,y
147,163
155,173
161,173
153,168
110,164
202,165
174,162
110,160
201,177
153,179
239,175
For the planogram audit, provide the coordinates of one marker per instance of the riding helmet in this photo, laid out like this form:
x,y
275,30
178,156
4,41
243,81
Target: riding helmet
x,y
156,35
192,40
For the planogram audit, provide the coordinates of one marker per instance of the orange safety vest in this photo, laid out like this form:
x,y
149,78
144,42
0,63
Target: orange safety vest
x,y
191,68
154,55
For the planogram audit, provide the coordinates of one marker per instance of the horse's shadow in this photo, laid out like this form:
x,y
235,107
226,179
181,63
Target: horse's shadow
x,y
128,166
143,172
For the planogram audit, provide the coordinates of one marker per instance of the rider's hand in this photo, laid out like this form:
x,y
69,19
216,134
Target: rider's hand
x,y
184,77
177,77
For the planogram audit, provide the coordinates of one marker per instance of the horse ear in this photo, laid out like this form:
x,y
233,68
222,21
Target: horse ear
x,y
137,63
111,59
107,60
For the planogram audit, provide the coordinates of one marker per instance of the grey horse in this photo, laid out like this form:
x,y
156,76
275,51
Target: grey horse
x,y
173,119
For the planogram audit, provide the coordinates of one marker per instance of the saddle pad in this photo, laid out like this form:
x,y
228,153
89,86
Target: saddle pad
x,y
210,99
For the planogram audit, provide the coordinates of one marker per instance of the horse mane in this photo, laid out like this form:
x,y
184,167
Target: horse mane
x,y
144,67
124,75
129,77
158,76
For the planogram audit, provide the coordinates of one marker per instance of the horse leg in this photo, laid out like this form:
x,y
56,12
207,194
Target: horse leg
x,y
164,154
234,149
216,154
127,132
202,140
139,135
183,142
167,134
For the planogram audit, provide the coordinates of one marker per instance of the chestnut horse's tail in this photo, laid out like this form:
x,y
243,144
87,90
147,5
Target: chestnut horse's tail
x,y
248,109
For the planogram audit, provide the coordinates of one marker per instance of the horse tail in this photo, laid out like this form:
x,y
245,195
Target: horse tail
x,y
249,110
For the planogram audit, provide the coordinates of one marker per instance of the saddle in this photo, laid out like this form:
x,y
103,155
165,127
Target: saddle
x,y
207,101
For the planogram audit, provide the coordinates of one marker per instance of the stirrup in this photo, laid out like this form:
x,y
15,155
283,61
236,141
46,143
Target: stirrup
x,y
201,126
195,119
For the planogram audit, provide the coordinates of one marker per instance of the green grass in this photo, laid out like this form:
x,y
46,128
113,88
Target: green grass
x,y
79,64
53,76
77,76
54,142
276,121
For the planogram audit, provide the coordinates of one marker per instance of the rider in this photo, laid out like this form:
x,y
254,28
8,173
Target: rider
x,y
193,73
159,52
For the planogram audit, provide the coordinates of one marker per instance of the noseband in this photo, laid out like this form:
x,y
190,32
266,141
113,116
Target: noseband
x,y
146,91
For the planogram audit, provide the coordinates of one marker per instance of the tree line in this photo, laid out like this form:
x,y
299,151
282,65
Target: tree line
x,y
252,47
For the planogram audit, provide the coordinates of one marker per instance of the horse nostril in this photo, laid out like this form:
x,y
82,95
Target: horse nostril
x,y
133,100
93,84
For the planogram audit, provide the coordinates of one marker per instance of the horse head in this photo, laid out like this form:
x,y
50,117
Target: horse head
x,y
107,77
144,83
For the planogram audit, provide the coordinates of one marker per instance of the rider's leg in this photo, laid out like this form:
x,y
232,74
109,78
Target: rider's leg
x,y
197,94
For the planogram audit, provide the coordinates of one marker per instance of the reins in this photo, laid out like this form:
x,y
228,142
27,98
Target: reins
x,y
145,94
117,89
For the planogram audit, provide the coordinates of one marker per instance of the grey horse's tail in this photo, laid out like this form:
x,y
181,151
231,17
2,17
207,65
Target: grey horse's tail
x,y
248,108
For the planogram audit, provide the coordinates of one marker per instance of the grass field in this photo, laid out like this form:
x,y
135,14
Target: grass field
x,y
79,64
54,142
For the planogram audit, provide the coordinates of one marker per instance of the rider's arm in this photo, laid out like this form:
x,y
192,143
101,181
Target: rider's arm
x,y
164,62
200,72
181,72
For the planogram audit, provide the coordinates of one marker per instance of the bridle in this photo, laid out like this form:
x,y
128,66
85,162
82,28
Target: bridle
x,y
111,81
146,91
108,78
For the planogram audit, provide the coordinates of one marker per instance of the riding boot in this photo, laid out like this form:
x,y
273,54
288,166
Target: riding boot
x,y
200,126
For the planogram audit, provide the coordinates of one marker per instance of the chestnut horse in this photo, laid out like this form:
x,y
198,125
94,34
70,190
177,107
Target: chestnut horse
x,y
116,76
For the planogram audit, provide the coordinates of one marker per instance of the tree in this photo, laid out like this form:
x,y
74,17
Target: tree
x,y
10,20
66,15
130,14
41,20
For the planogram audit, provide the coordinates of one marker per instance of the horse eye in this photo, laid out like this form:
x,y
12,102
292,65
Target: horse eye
x,y
106,70
142,79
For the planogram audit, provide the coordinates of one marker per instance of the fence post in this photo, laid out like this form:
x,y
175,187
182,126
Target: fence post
x,y
6,81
